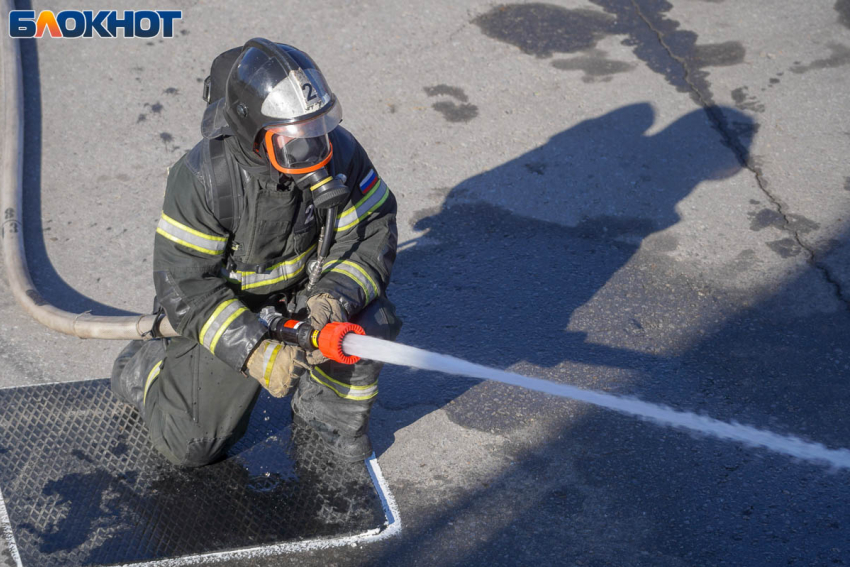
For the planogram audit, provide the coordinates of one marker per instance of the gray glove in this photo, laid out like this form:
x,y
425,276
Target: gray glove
x,y
323,309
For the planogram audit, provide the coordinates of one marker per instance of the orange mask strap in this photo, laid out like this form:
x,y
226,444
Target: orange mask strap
x,y
289,170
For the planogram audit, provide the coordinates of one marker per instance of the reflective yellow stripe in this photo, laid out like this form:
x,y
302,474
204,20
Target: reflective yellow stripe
x,y
365,274
151,377
355,278
365,198
210,321
191,230
270,363
224,326
365,390
367,279
343,384
189,244
189,237
280,264
275,280
371,201
287,270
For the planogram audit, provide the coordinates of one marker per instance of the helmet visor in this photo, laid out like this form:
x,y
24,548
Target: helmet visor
x,y
295,156
315,126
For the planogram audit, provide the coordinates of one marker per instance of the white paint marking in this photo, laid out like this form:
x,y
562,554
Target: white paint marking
x,y
387,499
6,525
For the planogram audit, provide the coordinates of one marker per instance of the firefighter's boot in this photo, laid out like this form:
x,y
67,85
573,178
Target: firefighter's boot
x,y
336,399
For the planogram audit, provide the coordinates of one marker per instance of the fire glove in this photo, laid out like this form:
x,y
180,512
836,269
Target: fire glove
x,y
324,309
276,366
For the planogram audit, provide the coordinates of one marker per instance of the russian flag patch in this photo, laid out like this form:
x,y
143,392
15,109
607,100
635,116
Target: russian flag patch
x,y
369,181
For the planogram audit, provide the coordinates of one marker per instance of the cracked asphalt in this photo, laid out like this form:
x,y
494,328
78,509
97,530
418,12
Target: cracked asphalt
x,y
643,197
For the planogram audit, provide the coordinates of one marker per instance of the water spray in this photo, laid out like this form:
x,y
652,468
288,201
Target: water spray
x,y
347,343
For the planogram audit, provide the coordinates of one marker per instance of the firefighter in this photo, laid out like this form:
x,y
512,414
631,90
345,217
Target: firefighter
x,y
238,234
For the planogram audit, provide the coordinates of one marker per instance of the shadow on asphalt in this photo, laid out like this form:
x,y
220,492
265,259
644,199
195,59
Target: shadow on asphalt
x,y
600,488
516,282
47,280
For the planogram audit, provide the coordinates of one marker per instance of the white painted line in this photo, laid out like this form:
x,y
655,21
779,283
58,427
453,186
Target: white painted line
x,y
387,499
6,526
392,527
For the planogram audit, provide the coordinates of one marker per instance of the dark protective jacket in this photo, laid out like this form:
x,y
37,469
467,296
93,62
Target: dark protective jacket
x,y
207,277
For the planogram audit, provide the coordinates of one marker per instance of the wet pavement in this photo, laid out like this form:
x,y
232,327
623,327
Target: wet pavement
x,y
82,485
644,197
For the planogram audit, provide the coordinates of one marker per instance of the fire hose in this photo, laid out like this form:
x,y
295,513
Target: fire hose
x,y
82,325
129,327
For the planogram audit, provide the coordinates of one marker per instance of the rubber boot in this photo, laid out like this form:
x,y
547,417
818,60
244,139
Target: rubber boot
x,y
335,400
347,449
133,367
127,386
346,433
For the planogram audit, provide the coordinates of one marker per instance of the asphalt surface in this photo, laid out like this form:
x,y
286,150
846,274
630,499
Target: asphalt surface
x,y
626,195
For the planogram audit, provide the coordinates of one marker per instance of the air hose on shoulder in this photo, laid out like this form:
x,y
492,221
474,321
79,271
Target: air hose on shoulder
x,y
327,193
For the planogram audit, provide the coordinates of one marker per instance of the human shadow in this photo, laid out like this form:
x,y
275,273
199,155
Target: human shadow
x,y
605,489
45,277
499,287
598,488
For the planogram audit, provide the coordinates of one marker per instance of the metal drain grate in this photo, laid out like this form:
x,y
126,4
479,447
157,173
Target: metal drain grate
x,y
82,486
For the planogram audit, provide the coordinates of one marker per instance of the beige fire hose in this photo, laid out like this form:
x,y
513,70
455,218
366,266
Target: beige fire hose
x,y
82,325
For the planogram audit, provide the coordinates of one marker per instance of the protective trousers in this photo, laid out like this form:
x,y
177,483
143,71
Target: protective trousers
x,y
196,406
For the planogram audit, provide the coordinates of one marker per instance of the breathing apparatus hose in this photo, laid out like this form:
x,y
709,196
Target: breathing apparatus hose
x,y
82,325
328,238
314,270
327,193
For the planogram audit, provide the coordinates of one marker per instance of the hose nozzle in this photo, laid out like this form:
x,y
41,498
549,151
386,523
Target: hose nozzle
x,y
328,339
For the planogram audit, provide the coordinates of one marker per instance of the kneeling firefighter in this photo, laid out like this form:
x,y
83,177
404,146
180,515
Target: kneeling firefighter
x,y
238,236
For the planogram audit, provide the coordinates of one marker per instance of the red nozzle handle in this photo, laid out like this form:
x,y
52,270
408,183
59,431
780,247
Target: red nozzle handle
x,y
330,341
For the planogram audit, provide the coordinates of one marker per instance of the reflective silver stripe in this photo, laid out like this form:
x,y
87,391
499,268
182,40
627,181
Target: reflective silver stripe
x,y
371,201
189,237
358,274
342,390
286,270
218,322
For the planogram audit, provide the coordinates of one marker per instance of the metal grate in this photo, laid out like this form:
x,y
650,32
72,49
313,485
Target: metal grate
x,y
82,486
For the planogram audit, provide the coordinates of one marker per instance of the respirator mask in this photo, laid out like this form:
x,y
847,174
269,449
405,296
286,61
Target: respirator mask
x,y
303,152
